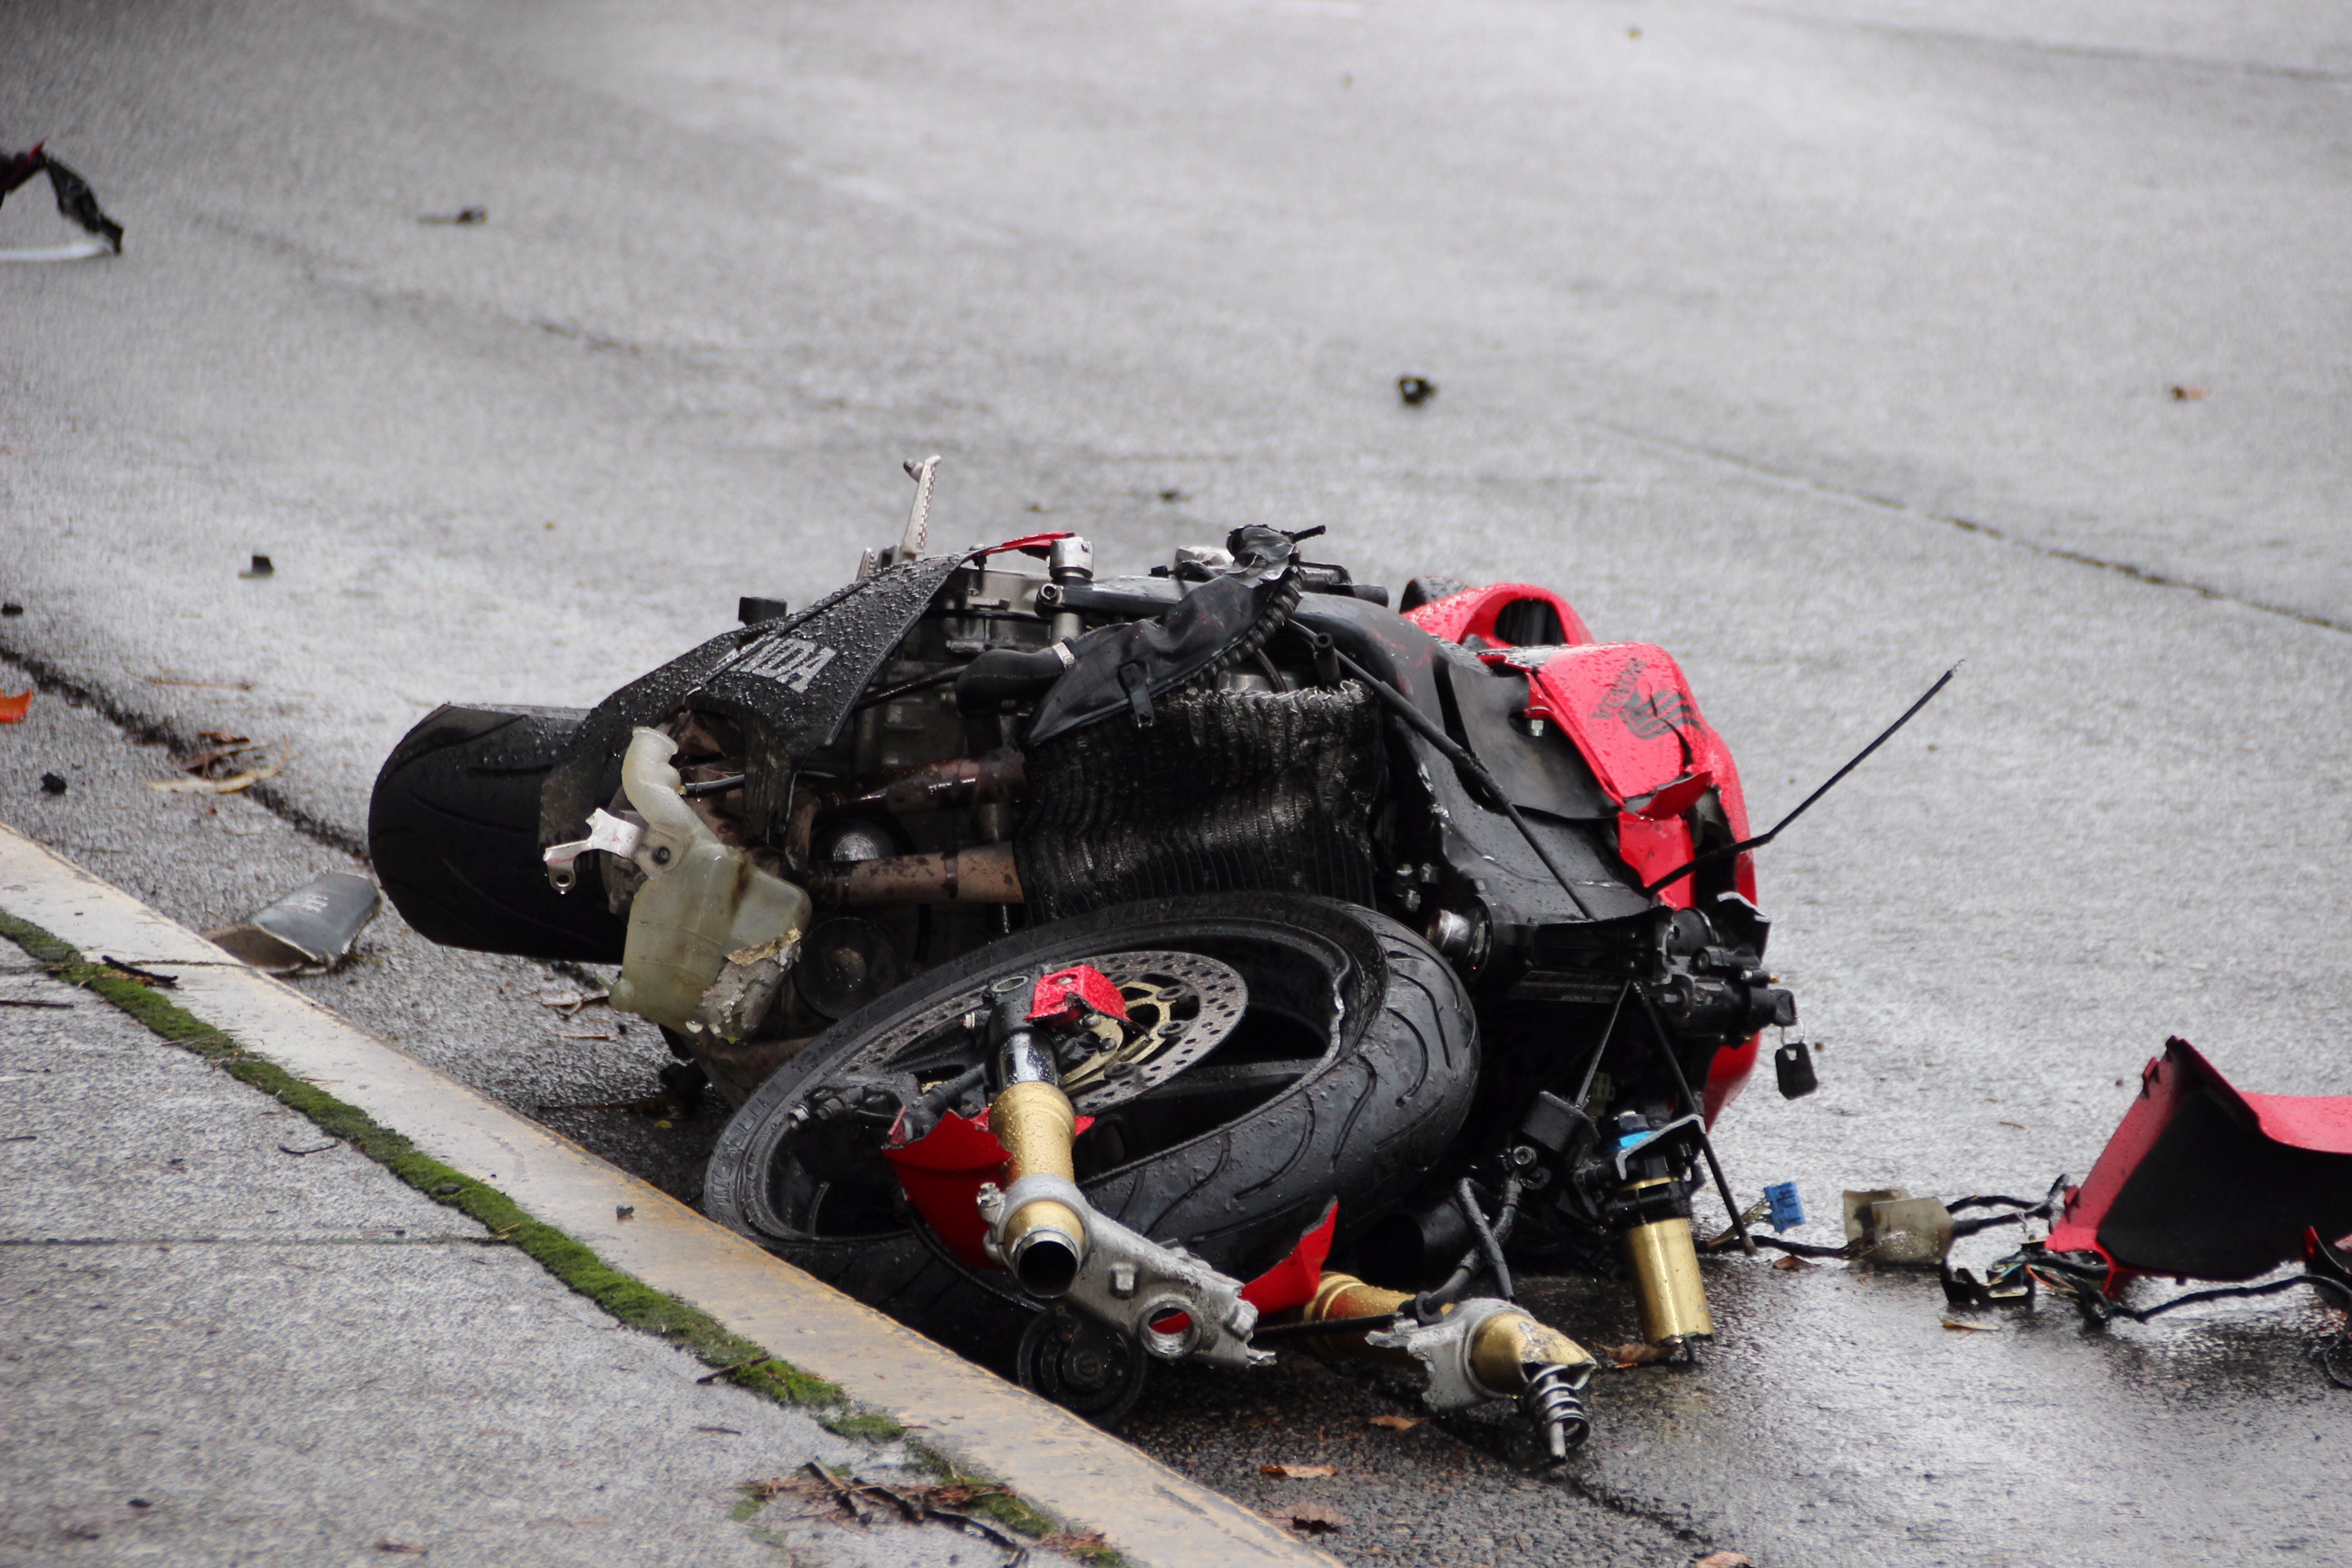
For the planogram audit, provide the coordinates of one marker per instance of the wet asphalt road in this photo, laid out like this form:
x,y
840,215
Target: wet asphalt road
x,y
1824,344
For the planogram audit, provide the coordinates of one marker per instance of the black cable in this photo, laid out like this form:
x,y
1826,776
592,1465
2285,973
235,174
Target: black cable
x,y
1592,1067
1327,1326
1705,1144
713,787
1761,839
1467,1201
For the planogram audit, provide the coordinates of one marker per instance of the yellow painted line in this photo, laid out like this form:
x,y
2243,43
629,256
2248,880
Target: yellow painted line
x,y
1086,1478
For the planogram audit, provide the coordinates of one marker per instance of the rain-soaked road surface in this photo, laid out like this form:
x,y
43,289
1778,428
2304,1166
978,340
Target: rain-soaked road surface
x,y
1824,344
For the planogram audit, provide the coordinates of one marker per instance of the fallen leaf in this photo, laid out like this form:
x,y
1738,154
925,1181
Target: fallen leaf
x,y
1960,1328
1298,1472
2190,393
1791,1262
222,737
228,785
1725,1560
13,708
1636,1356
1396,1422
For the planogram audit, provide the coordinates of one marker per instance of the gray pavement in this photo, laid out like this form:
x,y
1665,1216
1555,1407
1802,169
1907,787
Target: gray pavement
x,y
212,1349
1805,340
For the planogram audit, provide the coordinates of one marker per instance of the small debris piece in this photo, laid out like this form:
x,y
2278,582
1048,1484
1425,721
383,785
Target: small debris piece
x,y
402,1549
625,1211
739,1366
260,568
1298,1472
330,1143
1636,1354
464,217
13,708
133,972
141,1503
722,1431
2182,393
1172,496
1311,1517
229,785
313,926
1958,1327
1415,390
569,1004
1395,1423
1725,1560
1790,1263
2019,1125
75,201
12,609
53,784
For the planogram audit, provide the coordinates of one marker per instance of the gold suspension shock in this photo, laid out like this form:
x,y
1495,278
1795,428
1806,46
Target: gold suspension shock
x,y
1662,1260
1043,1240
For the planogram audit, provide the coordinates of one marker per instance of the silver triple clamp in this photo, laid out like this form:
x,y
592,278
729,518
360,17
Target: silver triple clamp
x,y
1138,1285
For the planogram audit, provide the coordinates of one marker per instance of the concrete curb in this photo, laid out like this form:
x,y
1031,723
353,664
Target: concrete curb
x,y
1089,1478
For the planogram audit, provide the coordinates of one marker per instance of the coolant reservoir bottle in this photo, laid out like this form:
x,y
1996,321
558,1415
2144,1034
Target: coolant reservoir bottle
x,y
702,900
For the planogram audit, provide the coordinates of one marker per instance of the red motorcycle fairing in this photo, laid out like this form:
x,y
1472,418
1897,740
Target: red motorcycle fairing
x,y
1482,612
2204,1181
1630,710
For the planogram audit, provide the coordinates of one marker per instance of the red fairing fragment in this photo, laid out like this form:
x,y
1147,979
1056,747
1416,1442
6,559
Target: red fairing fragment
x,y
1473,612
942,1172
2203,1182
1027,544
1060,997
1289,1283
1293,1281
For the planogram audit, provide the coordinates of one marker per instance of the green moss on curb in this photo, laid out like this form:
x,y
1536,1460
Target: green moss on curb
x,y
633,1303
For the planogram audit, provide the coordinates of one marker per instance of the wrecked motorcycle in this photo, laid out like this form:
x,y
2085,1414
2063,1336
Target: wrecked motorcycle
x,y
1108,970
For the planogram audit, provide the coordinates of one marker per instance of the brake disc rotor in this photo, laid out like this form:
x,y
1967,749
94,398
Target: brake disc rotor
x,y
1180,1005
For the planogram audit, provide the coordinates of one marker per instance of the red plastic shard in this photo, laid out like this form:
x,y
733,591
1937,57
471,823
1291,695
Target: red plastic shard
x,y
1028,544
2203,1182
1293,1281
1062,995
13,708
942,1172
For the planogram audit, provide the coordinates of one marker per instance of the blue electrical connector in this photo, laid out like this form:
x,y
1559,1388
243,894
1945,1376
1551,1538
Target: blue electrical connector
x,y
1787,1213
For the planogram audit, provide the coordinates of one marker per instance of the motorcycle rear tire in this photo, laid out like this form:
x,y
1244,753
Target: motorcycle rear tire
x,y
453,830
1364,1124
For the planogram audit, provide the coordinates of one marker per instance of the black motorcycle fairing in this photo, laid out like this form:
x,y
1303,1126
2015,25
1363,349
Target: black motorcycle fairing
x,y
1122,668
792,684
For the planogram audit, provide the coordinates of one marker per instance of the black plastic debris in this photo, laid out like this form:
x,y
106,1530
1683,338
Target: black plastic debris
x,y
53,784
1793,1065
311,927
1415,390
464,217
75,199
260,568
12,608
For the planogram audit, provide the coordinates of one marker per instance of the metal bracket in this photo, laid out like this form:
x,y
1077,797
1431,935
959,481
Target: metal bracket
x,y
612,834
1443,1349
1136,1285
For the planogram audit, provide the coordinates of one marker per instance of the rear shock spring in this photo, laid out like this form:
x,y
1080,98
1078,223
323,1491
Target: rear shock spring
x,y
1552,1406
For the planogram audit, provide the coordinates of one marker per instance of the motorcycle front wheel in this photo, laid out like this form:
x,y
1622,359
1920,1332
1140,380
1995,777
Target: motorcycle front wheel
x,y
1342,1067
